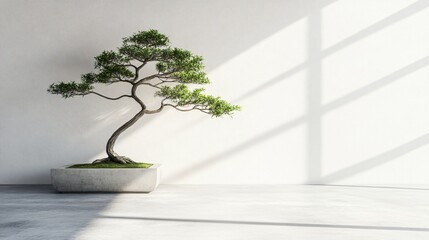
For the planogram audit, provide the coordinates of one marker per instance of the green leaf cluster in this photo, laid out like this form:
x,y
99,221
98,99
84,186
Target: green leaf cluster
x,y
144,46
183,96
112,66
150,38
195,77
70,89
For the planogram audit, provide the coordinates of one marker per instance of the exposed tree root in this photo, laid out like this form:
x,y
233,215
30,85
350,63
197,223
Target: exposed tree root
x,y
119,159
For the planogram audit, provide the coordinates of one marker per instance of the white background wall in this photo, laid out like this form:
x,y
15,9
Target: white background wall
x,y
332,91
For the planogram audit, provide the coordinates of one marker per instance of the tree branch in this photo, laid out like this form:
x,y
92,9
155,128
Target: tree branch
x,y
121,80
156,110
138,70
190,109
128,65
140,81
103,96
158,75
150,84
165,81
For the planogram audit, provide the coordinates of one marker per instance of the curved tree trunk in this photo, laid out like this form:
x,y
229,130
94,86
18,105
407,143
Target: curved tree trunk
x,y
112,155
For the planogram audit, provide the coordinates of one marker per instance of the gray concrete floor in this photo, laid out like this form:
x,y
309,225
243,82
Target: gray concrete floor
x,y
217,212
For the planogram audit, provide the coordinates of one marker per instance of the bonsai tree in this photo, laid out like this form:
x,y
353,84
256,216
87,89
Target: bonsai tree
x,y
175,68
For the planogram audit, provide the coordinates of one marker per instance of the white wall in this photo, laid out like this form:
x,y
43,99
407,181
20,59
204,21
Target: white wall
x,y
332,91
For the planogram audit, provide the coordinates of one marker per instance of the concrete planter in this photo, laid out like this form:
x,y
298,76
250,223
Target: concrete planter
x,y
106,179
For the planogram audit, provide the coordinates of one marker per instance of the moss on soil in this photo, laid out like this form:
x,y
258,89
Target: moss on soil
x,y
112,165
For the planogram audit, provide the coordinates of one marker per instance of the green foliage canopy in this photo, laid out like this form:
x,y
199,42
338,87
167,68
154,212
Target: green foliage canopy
x,y
175,67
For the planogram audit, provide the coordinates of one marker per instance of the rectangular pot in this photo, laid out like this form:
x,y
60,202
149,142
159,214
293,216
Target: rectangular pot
x,y
106,179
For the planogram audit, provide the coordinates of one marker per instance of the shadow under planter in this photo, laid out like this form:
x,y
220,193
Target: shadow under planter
x,y
106,179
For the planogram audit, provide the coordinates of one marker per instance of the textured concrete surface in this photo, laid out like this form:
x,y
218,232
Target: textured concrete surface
x,y
106,179
217,212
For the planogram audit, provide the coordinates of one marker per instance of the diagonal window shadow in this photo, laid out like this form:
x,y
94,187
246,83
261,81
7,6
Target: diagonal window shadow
x,y
390,20
384,81
272,82
284,224
377,160
236,149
